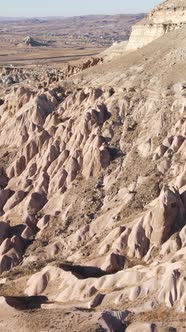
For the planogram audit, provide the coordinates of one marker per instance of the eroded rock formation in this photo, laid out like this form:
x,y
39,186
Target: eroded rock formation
x,y
93,194
168,16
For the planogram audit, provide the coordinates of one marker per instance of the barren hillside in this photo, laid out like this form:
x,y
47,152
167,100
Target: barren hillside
x,y
93,193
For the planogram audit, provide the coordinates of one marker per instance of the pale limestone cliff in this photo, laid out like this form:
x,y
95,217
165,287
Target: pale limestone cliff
x,y
168,16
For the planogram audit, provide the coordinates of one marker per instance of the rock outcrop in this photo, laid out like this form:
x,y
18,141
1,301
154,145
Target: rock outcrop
x,y
93,194
30,41
84,64
164,18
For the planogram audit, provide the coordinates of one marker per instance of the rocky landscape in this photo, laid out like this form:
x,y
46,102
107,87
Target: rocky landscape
x,y
93,189
165,18
57,40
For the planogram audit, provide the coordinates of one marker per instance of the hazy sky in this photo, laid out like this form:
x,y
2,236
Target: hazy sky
x,y
73,7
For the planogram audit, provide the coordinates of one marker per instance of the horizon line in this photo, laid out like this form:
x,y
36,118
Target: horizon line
x,y
79,15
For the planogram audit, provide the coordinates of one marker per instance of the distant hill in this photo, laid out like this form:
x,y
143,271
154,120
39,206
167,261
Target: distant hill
x,y
3,18
29,41
86,17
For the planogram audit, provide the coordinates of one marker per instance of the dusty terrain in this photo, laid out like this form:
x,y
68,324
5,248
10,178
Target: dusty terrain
x,y
93,190
59,40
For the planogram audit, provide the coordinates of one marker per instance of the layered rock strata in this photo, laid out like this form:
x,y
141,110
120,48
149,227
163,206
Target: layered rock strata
x,y
164,18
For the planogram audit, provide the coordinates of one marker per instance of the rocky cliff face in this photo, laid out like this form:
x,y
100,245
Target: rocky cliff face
x,y
164,18
93,196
